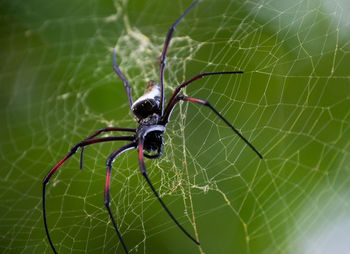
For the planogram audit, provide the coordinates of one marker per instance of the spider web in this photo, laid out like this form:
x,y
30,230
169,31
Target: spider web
x,y
292,103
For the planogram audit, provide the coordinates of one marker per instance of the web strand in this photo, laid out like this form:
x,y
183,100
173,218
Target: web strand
x,y
292,104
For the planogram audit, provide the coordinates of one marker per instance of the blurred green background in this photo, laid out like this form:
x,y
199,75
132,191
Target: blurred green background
x,y
57,87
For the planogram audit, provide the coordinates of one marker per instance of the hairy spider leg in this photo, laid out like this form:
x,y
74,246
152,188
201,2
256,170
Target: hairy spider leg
x,y
175,98
107,202
105,129
145,175
59,164
127,87
165,49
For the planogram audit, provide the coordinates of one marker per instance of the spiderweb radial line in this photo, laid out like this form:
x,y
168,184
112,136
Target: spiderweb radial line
x,y
292,103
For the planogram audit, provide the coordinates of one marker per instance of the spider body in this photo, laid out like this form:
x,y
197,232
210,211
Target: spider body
x,y
152,118
149,103
153,140
146,110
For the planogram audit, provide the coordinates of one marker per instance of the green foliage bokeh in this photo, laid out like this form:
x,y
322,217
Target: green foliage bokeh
x,y
293,102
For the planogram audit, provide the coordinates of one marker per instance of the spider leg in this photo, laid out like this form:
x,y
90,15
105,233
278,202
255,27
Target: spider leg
x,y
107,202
105,129
172,102
145,175
123,78
165,49
206,103
59,164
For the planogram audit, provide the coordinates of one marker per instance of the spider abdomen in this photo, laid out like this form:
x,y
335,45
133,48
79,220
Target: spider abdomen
x,y
148,103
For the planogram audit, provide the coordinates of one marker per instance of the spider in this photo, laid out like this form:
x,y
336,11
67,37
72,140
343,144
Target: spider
x,y
152,118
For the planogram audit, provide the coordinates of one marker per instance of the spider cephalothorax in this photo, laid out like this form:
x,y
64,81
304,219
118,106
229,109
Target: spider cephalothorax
x,y
152,119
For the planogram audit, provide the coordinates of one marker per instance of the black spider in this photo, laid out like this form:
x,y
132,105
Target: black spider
x,y
152,119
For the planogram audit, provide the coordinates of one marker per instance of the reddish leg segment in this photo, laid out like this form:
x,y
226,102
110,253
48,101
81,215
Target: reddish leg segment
x,y
207,104
59,164
172,101
107,202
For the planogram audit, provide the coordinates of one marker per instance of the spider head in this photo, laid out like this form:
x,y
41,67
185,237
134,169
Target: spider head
x,y
149,103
